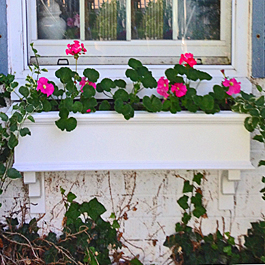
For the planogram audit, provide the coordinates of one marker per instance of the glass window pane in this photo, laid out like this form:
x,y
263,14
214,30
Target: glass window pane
x,y
151,19
105,20
199,19
58,19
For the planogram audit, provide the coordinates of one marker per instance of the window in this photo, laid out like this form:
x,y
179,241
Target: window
x,y
22,29
154,31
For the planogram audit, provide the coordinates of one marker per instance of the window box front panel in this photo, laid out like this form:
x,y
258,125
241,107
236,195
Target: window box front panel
x,y
106,141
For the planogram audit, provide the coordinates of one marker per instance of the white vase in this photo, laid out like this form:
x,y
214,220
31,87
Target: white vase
x,y
50,24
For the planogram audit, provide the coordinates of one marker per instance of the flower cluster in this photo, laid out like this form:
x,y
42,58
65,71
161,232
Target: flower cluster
x,y
76,49
165,89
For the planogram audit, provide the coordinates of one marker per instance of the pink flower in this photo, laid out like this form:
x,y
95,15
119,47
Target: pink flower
x,y
188,59
77,20
179,89
84,81
162,87
234,86
70,22
44,86
75,49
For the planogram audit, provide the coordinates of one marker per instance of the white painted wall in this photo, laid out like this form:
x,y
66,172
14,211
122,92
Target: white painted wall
x,y
155,195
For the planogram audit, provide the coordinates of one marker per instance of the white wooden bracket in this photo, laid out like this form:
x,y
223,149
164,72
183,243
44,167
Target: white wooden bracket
x,y
36,187
227,179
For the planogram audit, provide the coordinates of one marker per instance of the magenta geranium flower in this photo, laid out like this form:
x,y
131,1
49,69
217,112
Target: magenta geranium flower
x,y
76,49
179,89
188,59
84,81
234,86
44,86
162,87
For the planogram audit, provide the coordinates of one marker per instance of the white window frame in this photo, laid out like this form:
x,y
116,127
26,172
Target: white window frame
x,y
136,48
239,68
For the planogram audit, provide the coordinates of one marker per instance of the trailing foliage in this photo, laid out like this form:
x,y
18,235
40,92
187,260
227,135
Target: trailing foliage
x,y
190,246
86,238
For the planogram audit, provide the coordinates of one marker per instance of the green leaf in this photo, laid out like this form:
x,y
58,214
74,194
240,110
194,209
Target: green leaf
x,y
104,105
207,102
172,76
71,196
68,124
183,202
29,108
31,118
134,63
186,218
95,209
228,250
24,131
13,173
149,82
187,187
88,91
77,106
251,123
71,124
63,113
115,224
261,163
127,111
135,261
2,169
219,92
199,211
91,74
198,178
259,88
260,101
24,91
258,138
132,74
120,83
12,141
121,94
3,116
152,104
107,84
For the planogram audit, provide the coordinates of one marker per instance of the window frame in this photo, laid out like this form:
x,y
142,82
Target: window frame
x,y
239,68
134,48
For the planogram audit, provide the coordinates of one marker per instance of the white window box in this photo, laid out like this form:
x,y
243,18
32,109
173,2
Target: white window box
x,y
106,141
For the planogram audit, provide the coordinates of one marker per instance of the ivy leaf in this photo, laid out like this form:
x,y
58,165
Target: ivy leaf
x,y
71,196
13,173
187,187
198,178
115,224
199,211
260,101
95,209
186,218
183,202
31,118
